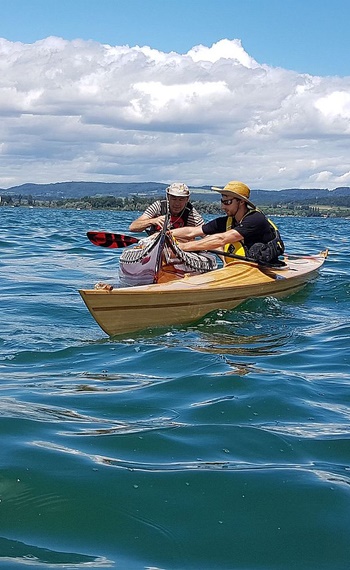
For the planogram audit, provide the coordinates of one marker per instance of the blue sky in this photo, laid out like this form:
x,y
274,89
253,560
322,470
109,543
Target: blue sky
x,y
310,36
198,91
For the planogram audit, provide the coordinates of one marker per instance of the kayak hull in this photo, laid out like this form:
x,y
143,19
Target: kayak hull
x,y
183,301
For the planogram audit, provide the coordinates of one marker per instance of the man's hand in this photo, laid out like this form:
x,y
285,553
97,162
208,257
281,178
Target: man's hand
x,y
159,221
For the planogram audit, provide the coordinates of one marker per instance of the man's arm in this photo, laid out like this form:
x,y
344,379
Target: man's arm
x,y
143,222
214,241
187,232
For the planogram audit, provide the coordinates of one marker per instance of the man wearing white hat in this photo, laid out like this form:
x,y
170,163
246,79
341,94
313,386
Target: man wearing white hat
x,y
243,230
182,213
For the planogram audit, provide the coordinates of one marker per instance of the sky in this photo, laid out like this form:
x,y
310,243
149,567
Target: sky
x,y
197,91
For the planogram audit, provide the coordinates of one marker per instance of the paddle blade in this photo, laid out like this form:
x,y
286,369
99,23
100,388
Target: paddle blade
x,y
106,239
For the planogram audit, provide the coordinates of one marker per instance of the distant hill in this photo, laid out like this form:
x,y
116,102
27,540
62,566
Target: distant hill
x,y
265,197
60,190
298,195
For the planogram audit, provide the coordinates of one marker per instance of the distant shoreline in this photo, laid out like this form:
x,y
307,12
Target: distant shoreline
x,y
281,211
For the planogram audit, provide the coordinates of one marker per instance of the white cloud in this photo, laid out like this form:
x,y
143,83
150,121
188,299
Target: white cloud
x,y
334,105
86,111
225,49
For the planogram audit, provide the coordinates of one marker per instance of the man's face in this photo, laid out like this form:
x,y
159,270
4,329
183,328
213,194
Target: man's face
x,y
177,204
229,204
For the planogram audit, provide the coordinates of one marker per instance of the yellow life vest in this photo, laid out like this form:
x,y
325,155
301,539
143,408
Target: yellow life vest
x,y
237,247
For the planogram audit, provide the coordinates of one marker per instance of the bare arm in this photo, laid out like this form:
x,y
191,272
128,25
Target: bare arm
x,y
215,241
143,222
187,233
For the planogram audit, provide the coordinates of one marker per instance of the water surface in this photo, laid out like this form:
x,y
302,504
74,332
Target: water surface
x,y
220,445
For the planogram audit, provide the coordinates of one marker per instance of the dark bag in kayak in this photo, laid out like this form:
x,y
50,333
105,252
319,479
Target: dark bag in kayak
x,y
267,252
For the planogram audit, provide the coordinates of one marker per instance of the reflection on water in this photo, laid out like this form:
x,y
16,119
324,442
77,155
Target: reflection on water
x,y
28,555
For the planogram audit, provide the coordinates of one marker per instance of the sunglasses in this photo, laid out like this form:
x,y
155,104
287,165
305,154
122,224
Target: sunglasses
x,y
228,202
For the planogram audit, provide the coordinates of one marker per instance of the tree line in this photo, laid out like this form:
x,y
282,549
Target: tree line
x,y
330,207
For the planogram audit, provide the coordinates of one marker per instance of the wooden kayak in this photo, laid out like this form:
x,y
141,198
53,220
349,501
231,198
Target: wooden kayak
x,y
185,300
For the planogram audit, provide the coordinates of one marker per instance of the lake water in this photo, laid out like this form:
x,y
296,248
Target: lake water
x,y
220,445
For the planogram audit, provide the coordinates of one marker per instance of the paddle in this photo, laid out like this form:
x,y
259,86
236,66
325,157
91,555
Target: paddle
x,y
106,239
247,259
112,240
162,232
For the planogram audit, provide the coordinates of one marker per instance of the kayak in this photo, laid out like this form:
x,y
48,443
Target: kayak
x,y
183,301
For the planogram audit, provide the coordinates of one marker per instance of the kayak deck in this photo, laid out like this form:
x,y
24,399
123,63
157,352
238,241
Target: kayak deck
x,y
182,301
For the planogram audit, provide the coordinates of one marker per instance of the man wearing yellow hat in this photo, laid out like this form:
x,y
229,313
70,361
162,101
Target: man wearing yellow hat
x,y
244,230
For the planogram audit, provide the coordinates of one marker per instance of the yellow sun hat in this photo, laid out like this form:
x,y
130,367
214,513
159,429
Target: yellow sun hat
x,y
237,189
